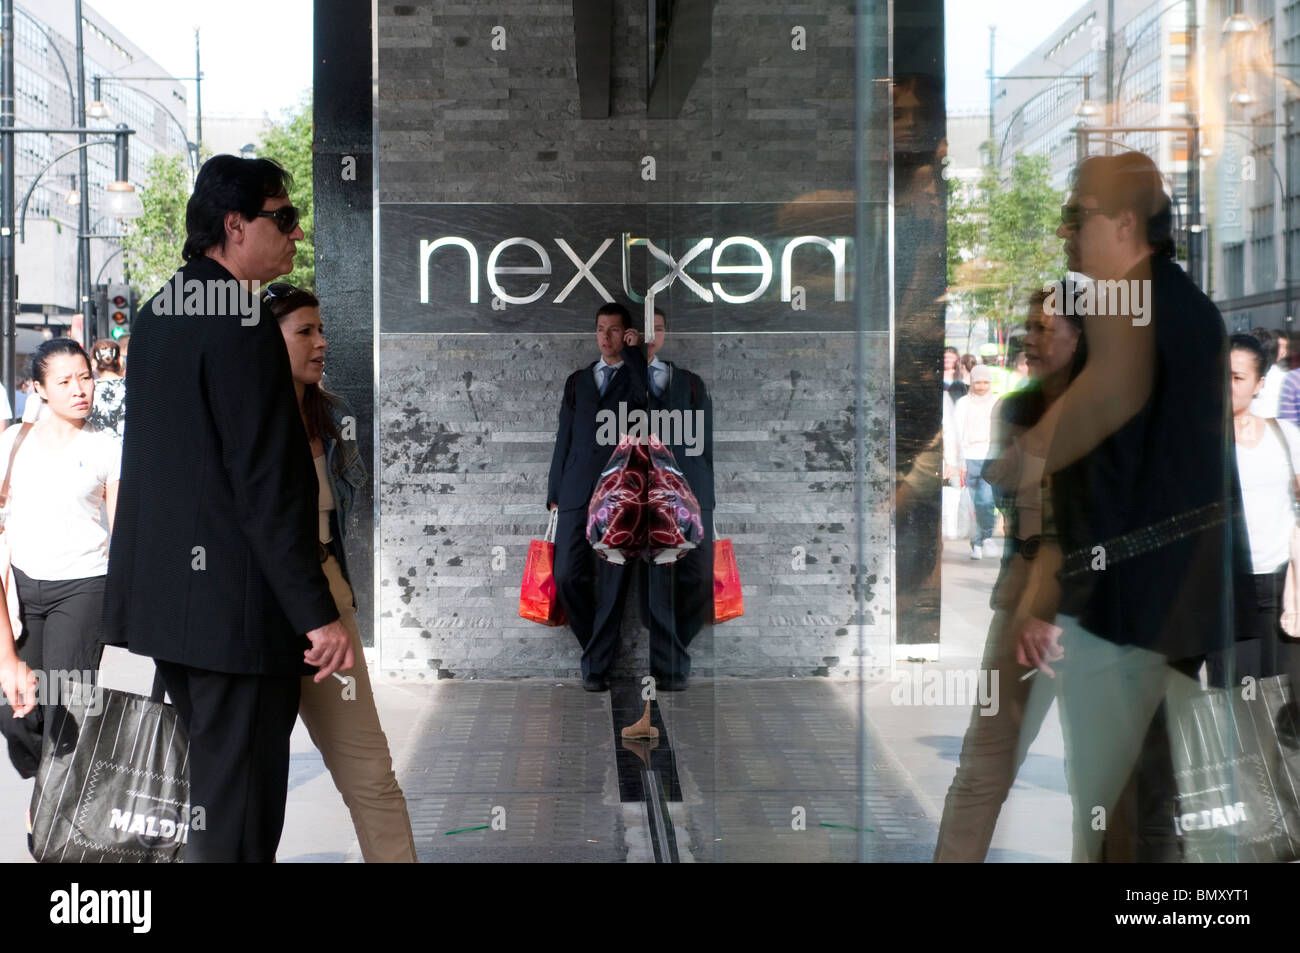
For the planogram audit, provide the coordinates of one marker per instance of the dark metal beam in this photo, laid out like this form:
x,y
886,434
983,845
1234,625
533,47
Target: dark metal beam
x,y
593,40
690,39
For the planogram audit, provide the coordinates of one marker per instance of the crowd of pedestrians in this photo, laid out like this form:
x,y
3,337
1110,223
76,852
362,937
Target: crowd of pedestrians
x,y
222,557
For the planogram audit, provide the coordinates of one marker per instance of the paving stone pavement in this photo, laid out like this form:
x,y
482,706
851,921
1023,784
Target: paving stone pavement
x,y
749,753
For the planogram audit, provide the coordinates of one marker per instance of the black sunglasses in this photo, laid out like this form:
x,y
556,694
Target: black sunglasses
x,y
286,217
278,289
1074,216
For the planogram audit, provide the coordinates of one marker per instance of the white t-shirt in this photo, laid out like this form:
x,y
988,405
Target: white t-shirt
x,y
55,497
1266,496
973,418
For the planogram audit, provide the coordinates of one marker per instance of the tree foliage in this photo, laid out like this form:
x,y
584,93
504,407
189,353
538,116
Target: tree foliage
x,y
152,243
1002,242
288,142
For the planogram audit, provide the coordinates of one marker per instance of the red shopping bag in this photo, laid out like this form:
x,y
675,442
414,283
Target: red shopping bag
x,y
538,599
728,603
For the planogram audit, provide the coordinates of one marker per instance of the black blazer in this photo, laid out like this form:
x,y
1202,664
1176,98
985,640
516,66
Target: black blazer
x,y
214,456
1168,471
578,459
680,395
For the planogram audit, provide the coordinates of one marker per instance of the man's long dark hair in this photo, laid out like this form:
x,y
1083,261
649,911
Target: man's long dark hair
x,y
315,398
228,184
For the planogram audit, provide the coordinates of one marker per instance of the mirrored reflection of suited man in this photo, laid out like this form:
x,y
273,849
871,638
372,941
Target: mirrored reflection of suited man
x,y
592,590
677,599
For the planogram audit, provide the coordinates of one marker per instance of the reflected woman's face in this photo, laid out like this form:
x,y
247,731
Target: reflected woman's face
x,y
1246,381
1050,343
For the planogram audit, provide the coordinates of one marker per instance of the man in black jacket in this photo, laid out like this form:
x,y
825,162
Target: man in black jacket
x,y
214,567
617,378
678,598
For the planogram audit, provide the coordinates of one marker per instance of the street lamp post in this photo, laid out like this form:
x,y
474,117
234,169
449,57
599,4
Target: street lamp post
x,y
8,279
83,210
1085,109
97,110
197,79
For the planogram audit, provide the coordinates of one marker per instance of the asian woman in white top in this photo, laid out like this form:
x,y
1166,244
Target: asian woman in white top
x,y
63,474
1268,457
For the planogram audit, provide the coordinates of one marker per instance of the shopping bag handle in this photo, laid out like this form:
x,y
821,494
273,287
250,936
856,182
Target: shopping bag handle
x,y
159,688
551,523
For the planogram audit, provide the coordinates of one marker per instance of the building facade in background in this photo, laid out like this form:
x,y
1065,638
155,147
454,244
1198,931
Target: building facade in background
x,y
45,73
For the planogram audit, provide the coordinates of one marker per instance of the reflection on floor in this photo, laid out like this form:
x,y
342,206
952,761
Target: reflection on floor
x,y
751,770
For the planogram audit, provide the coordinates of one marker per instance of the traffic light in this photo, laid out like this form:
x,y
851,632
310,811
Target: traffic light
x,y
119,310
100,302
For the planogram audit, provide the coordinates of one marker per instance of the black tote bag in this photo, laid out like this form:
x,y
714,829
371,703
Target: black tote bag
x,y
1237,763
113,786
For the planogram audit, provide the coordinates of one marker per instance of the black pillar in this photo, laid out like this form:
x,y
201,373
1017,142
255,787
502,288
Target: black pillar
x,y
342,181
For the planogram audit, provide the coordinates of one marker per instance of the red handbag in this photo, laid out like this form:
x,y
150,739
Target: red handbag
x,y
728,602
539,601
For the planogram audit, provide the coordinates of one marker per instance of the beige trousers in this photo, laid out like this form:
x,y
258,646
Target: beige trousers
x,y
344,726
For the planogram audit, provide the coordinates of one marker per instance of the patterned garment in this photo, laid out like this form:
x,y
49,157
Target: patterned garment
x,y
109,411
616,514
675,522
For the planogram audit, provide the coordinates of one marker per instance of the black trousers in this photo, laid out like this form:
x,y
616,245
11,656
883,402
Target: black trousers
x,y
676,602
239,727
1261,649
60,620
591,590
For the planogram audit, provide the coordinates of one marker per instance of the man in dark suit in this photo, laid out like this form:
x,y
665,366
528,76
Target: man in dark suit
x,y
214,567
618,377
678,598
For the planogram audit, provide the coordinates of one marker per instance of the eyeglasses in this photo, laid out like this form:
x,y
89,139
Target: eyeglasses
x,y
278,289
286,217
1074,216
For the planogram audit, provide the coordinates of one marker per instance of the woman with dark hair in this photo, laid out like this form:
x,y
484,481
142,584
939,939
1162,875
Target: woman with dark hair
x,y
1268,458
953,385
109,410
62,473
343,724
998,737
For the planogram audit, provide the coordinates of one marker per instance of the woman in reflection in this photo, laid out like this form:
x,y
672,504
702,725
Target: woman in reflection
x,y
995,744
1268,457
341,718
109,411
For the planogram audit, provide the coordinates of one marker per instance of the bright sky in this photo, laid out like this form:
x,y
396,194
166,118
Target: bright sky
x,y
257,55
1022,25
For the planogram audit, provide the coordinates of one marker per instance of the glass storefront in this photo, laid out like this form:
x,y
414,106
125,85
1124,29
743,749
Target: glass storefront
x,y
962,309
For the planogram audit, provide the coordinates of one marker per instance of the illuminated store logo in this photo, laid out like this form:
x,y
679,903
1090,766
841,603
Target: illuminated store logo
x,y
726,260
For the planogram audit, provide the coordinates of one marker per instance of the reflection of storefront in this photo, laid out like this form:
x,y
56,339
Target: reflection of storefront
x,y
737,213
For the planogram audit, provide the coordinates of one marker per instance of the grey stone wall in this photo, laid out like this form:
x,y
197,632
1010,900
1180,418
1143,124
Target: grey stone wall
x,y
466,422
466,440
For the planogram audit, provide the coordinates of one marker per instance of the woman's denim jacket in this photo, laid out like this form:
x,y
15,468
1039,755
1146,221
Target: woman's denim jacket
x,y
346,480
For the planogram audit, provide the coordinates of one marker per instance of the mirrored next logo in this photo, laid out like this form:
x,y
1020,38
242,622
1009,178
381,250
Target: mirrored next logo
x,y
746,264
